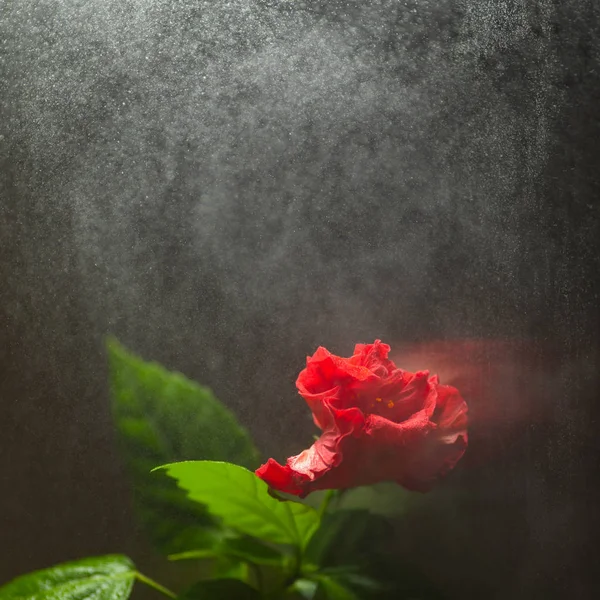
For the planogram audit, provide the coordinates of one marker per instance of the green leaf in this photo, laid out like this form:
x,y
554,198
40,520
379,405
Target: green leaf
x,y
100,578
341,536
251,550
356,581
243,502
386,499
227,568
162,417
304,589
220,589
244,548
359,551
329,588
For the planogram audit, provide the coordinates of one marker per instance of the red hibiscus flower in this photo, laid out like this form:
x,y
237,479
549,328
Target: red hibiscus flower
x,y
378,422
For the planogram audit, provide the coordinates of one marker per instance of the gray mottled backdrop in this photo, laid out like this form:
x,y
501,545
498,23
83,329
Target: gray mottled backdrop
x,y
225,185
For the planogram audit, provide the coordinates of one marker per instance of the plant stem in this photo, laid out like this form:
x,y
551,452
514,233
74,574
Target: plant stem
x,y
257,575
330,494
153,584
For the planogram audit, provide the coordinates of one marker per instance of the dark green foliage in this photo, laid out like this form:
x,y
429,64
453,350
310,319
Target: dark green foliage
x,y
221,589
162,417
356,550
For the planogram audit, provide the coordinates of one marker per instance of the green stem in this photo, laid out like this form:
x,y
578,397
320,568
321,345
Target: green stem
x,y
329,496
153,584
257,575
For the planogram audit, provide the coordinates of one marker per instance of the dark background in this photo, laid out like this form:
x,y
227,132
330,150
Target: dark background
x,y
225,186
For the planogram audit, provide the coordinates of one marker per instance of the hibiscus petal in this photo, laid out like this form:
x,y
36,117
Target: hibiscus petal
x,y
385,431
417,452
433,460
279,477
451,410
379,423
332,379
375,357
316,468
316,403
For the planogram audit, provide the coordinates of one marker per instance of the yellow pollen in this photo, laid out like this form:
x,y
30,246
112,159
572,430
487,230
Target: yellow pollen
x,y
377,399
390,404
